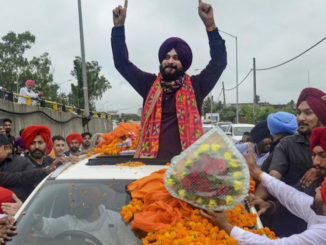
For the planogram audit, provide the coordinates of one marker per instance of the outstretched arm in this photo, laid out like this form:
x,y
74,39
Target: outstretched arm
x,y
119,14
205,81
205,12
141,81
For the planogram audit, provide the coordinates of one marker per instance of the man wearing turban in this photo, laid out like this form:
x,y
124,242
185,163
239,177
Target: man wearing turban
x,y
261,138
37,139
74,141
311,209
18,173
28,91
171,117
291,160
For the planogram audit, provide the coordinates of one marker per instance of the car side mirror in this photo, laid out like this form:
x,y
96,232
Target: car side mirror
x,y
228,133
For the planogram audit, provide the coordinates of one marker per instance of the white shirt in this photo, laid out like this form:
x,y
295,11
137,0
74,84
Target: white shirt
x,y
299,204
24,91
108,229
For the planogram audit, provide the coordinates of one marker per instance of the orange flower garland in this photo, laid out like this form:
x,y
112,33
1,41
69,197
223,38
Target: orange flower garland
x,y
109,144
196,229
130,164
252,185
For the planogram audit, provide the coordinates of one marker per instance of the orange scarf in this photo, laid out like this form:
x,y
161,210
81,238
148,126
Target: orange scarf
x,y
189,121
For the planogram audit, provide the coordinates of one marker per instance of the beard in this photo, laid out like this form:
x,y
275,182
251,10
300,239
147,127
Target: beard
x,y
171,76
263,147
74,149
317,206
37,154
308,131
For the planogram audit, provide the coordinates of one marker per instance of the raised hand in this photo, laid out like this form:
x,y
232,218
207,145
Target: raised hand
x,y
263,206
254,170
205,12
119,14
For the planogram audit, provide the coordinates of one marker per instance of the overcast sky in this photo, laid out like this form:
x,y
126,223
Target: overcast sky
x,y
273,31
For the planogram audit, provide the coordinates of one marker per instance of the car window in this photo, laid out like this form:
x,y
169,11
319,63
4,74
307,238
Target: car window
x,y
87,211
238,131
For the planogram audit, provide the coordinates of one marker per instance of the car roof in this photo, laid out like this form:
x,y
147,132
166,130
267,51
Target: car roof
x,y
82,171
243,125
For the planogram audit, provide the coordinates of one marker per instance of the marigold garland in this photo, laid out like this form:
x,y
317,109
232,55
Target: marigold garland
x,y
130,164
196,229
110,143
252,185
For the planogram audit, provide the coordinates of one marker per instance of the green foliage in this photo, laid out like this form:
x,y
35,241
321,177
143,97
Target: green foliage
x,y
246,112
263,112
228,113
15,67
97,84
211,106
129,117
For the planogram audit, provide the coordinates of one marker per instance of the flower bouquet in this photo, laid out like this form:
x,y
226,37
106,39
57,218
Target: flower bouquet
x,y
210,174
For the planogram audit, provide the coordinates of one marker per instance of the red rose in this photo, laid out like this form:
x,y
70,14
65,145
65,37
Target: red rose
x,y
186,182
202,185
213,166
223,190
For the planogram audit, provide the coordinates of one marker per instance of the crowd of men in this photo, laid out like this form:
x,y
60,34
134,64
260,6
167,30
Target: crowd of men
x,y
30,157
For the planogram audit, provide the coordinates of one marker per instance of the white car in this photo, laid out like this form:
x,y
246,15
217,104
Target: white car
x,y
235,131
95,190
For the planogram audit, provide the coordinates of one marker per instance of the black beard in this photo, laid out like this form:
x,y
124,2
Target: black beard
x,y
37,154
317,206
309,131
74,149
168,77
261,146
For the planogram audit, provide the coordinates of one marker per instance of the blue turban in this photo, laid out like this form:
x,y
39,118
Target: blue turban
x,y
260,132
181,47
282,122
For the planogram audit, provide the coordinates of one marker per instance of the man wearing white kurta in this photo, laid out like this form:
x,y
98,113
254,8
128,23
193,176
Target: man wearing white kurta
x,y
312,210
28,91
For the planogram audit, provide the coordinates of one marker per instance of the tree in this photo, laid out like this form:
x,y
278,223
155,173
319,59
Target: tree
x,y
228,113
210,105
15,69
97,84
263,112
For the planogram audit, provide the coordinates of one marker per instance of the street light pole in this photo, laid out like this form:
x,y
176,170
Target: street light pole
x,y
236,72
85,87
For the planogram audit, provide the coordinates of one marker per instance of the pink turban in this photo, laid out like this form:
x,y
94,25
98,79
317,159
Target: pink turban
x,y
29,82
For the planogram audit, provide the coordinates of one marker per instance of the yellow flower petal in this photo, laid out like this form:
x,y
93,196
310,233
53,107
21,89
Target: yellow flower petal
x,y
237,174
227,155
212,202
182,193
215,147
233,163
170,182
237,185
203,148
229,200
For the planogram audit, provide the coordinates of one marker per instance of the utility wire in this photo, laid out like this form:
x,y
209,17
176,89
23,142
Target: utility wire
x,y
272,67
228,89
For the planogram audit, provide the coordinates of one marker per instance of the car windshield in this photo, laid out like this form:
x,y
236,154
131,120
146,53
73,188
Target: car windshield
x,y
76,212
238,131
224,127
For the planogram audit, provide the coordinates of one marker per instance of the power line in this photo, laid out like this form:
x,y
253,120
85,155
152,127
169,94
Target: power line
x,y
228,89
272,67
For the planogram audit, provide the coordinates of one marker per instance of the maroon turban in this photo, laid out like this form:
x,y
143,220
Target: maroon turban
x,y
314,99
181,47
318,137
74,136
32,131
5,196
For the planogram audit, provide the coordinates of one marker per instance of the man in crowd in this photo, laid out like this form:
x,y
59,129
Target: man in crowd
x,y
310,209
18,173
74,141
59,150
37,139
280,125
7,123
261,138
28,91
291,160
86,143
245,138
172,100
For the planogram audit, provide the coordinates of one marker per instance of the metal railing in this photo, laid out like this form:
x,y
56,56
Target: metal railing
x,y
13,97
